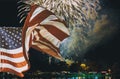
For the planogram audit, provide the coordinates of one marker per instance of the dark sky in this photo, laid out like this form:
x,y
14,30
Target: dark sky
x,y
8,13
108,51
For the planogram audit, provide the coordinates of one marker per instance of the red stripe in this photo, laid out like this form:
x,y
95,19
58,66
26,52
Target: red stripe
x,y
24,29
48,45
18,65
12,71
12,55
40,17
56,32
23,38
45,40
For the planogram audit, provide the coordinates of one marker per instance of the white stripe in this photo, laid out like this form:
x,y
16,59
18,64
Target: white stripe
x,y
39,44
27,38
35,35
12,51
15,60
44,47
49,18
47,35
36,12
58,25
21,69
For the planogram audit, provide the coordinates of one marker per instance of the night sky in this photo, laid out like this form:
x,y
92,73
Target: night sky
x,y
107,51
8,13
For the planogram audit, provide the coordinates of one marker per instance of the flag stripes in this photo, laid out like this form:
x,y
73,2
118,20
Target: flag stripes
x,y
15,64
46,36
12,55
12,69
42,30
13,61
48,31
12,58
56,32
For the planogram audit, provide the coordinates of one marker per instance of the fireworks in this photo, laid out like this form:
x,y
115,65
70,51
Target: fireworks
x,y
74,12
79,15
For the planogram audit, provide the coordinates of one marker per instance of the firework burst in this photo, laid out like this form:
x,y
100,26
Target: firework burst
x,y
79,15
74,12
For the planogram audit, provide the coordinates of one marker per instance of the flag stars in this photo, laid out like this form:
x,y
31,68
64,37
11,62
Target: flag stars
x,y
5,34
12,33
19,43
10,46
20,33
12,42
16,45
14,39
2,45
17,32
2,37
6,44
9,41
3,41
18,37
9,32
15,35
8,35
2,32
11,37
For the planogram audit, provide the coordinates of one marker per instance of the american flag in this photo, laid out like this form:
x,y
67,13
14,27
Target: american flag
x,y
12,58
45,30
42,30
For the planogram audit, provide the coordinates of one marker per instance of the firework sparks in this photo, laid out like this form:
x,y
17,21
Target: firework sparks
x,y
82,18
